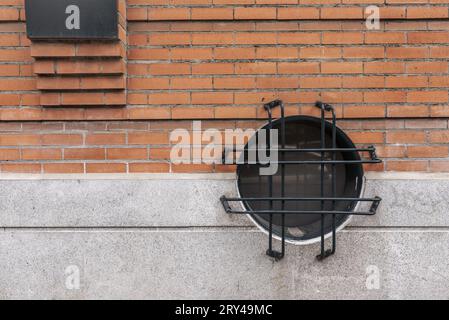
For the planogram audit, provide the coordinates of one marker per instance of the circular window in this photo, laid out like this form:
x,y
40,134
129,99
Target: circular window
x,y
302,181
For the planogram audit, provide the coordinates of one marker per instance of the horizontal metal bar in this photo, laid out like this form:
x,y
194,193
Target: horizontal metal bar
x,y
349,213
375,203
302,199
306,150
308,162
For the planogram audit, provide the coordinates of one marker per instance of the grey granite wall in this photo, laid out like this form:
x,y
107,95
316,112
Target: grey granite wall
x,y
170,238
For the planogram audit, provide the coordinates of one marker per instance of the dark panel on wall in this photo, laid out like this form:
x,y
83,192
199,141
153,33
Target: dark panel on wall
x,y
72,19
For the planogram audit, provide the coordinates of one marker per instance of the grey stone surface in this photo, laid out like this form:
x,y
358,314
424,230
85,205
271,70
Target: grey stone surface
x,y
418,203
156,239
120,203
116,203
227,264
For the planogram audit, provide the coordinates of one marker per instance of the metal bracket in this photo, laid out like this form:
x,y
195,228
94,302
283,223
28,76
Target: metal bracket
x,y
375,202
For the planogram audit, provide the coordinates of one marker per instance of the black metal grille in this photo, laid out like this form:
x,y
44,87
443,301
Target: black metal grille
x,y
323,163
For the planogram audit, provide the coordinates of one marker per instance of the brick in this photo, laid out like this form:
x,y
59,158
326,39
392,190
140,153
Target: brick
x,y
114,99
189,60
191,53
160,14
9,14
299,38
407,136
41,154
384,67
212,98
213,68
98,83
52,50
234,53
61,139
158,39
81,99
320,82
428,37
65,168
267,82
320,53
160,153
105,139
439,52
90,67
407,166
427,96
235,113
406,82
385,37
56,83
149,113
148,138
20,168
126,154
292,13
439,136
364,52
17,85
255,13
148,54
364,82
427,12
190,83
9,154
439,81
407,52
342,67
15,55
298,67
148,83
9,99
342,38
105,168
149,167
84,154
364,112
19,140
137,14
44,67
255,68
336,13
404,111
427,67
277,53
99,50
212,13
367,137
391,151
439,111
246,38
439,166
428,151
169,98
192,113
192,168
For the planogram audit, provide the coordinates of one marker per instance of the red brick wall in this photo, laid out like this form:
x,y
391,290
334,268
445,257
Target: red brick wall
x,y
218,61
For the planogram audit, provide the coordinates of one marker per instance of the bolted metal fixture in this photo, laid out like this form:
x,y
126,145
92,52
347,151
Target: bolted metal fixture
x,y
310,149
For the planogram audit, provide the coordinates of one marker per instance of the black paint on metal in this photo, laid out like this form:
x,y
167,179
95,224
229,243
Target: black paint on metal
x,y
293,198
